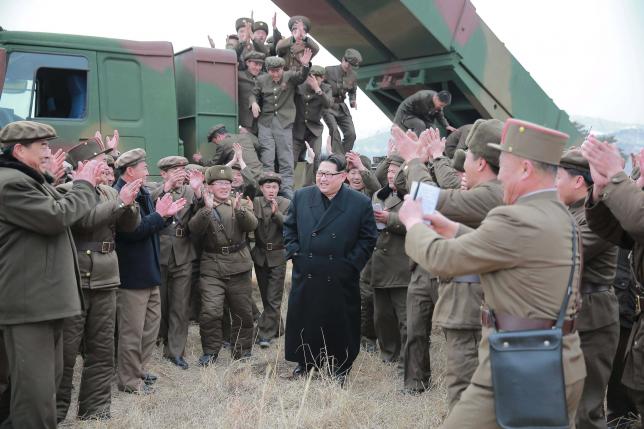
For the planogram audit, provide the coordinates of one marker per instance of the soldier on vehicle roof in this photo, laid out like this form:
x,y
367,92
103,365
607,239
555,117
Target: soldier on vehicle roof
x,y
420,110
292,47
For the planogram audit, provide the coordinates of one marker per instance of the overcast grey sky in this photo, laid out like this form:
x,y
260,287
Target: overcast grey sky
x,y
586,54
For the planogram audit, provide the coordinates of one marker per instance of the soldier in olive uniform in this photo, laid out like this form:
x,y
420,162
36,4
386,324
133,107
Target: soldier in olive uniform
x,y
460,298
598,320
94,240
176,253
253,38
195,300
614,212
221,228
523,252
389,266
246,82
269,256
292,47
272,101
343,81
359,175
39,292
311,99
420,110
456,140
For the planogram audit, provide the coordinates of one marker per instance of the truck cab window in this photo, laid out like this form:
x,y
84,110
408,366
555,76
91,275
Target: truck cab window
x,y
44,86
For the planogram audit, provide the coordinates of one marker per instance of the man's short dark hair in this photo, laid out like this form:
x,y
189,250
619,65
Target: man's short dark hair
x,y
339,161
445,97
585,174
493,167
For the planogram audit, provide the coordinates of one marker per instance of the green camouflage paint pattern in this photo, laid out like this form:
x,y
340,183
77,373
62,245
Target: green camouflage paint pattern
x,y
431,44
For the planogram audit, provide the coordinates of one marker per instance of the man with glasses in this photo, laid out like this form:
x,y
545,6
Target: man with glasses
x,y
329,234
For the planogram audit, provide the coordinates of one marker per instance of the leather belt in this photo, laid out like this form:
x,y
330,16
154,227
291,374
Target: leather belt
x,y
269,246
95,246
470,278
509,322
587,288
232,248
178,232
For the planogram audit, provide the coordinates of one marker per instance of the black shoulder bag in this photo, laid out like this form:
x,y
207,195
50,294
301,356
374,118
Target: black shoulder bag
x,y
527,372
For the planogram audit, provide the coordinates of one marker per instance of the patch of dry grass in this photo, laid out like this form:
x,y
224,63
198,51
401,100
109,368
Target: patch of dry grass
x,y
257,393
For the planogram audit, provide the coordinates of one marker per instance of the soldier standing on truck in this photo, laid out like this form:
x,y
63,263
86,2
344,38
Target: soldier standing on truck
x,y
419,111
292,47
343,81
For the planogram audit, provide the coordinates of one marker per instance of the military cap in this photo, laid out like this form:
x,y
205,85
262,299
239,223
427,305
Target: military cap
x,y
304,19
109,160
236,166
396,160
172,161
317,71
129,158
532,141
353,57
233,36
241,22
458,161
26,132
84,151
575,160
217,129
219,172
260,25
196,167
256,56
274,62
269,176
483,132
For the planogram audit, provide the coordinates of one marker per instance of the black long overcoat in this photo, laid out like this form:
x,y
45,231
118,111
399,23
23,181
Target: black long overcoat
x,y
329,248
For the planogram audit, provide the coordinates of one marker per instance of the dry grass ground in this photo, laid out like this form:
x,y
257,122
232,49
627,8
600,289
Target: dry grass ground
x,y
258,394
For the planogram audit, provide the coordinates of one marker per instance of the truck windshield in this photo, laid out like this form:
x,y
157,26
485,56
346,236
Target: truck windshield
x,y
44,86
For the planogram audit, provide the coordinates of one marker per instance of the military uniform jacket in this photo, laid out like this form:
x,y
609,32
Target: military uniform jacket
x,y
598,309
617,217
389,264
219,227
246,83
101,270
420,105
39,273
277,98
308,110
290,50
446,176
174,239
341,84
459,305
269,232
523,253
224,152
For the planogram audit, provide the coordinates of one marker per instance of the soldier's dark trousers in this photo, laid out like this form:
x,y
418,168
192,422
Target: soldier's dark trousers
x,y
367,328
95,327
35,360
299,148
390,321
139,314
276,142
195,299
462,346
599,347
237,289
5,387
422,295
271,287
336,122
633,376
617,400
175,307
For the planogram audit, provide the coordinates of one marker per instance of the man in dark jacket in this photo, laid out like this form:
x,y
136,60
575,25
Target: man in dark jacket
x,y
139,301
329,234
419,111
34,223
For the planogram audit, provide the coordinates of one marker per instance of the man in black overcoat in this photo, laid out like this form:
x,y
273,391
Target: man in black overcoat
x,y
329,234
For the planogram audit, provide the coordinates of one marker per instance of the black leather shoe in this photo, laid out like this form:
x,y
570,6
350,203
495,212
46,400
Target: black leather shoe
x,y
300,371
207,359
149,379
178,361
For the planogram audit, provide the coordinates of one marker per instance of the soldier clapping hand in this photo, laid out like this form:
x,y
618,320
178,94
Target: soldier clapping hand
x,y
89,171
167,208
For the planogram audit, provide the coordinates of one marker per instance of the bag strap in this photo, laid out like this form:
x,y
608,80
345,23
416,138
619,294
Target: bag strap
x,y
564,305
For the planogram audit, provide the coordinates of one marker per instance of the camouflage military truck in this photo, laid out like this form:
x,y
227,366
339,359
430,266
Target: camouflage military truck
x,y
158,100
